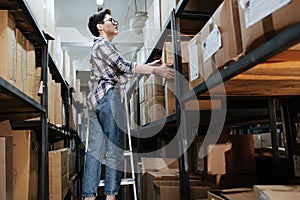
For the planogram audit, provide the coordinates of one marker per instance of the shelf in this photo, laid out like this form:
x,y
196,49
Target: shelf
x,y
56,74
25,21
266,87
55,133
15,105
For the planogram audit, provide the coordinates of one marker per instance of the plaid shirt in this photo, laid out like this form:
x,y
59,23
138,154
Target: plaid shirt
x,y
108,70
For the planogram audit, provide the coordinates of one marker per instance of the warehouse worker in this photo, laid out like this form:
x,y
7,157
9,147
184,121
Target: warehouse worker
x,y
109,72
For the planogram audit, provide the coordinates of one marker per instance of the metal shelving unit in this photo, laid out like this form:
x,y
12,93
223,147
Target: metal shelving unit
x,y
248,108
17,106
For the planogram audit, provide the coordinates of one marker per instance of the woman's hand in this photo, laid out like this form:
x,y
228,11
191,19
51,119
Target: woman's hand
x,y
165,71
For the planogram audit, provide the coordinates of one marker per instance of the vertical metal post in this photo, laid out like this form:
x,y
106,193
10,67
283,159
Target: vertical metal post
x,y
287,131
275,143
44,126
183,161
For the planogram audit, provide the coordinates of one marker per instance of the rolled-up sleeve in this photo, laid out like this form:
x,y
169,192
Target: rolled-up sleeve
x,y
111,56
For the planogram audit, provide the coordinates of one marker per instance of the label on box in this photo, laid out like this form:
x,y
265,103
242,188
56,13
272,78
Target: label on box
x,y
256,10
212,43
193,57
297,165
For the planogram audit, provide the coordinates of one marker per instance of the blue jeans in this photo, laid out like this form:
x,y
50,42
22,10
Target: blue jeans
x,y
106,142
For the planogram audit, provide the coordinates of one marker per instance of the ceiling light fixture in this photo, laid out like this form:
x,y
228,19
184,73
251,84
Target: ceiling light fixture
x,y
100,2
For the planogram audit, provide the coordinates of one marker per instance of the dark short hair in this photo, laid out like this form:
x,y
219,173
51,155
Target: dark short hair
x,y
95,19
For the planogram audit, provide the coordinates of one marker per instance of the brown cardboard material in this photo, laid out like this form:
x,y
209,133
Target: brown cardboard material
x,y
157,108
170,189
6,168
8,47
25,165
226,20
269,26
231,194
276,192
147,188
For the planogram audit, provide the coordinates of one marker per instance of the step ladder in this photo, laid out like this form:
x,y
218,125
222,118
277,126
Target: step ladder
x,y
127,153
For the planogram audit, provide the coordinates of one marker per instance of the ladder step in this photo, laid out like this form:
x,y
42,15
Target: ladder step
x,y
124,181
127,153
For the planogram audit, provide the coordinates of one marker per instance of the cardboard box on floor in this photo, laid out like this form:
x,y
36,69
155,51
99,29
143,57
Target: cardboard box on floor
x,y
157,169
276,192
231,194
170,189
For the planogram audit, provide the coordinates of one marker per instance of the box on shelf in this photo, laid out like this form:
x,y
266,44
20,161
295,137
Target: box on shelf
x,y
43,12
228,163
231,194
168,52
157,108
262,20
25,165
6,167
221,38
8,47
276,192
21,61
66,66
142,92
170,98
58,173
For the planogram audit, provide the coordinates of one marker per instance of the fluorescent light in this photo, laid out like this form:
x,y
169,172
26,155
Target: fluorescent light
x,y
99,2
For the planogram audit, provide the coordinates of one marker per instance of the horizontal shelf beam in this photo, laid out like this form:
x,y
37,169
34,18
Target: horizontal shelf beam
x,y
279,43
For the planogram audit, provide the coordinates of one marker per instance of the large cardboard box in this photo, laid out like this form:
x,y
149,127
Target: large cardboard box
x,y
231,194
170,98
276,192
262,20
170,189
147,187
25,165
58,173
6,168
221,38
21,55
8,47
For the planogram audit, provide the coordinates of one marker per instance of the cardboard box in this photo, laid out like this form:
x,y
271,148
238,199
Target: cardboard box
x,y
157,108
147,186
58,173
156,86
8,47
142,88
170,98
276,192
168,52
170,189
6,168
221,38
234,155
21,61
231,194
262,20
25,165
